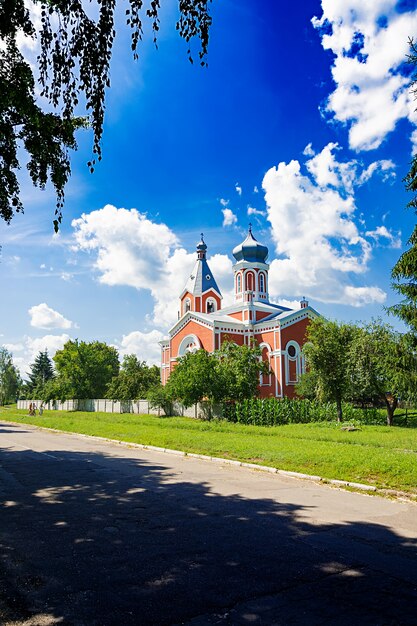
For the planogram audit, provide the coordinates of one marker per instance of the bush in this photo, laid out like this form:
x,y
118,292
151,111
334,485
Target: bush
x,y
271,412
160,397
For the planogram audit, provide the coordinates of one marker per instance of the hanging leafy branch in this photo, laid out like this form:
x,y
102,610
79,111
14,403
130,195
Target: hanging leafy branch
x,y
73,63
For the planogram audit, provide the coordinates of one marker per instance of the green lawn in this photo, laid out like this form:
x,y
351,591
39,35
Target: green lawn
x,y
376,455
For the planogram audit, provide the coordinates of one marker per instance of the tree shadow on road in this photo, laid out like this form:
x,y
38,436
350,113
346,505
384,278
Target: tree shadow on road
x,y
98,540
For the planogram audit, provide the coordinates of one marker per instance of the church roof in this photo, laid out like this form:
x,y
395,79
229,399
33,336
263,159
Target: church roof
x,y
201,278
251,250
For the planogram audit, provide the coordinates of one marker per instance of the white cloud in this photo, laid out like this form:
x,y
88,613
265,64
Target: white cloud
x,y
359,296
382,232
308,150
255,189
67,276
314,228
14,347
25,352
238,189
229,218
385,167
253,211
369,41
129,249
221,266
289,304
42,266
144,345
42,316
224,202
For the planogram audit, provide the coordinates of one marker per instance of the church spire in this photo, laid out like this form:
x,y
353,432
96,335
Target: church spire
x,y
201,292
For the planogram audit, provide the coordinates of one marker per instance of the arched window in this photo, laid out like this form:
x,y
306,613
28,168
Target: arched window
x,y
262,282
187,305
249,281
265,379
238,283
211,306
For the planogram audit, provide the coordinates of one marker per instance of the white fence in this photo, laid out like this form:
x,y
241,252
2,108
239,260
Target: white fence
x,y
111,406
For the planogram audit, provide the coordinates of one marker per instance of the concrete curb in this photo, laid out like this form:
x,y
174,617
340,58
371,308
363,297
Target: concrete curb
x,y
215,459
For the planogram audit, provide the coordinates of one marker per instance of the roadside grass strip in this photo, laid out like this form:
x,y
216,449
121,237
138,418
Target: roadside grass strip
x,y
372,457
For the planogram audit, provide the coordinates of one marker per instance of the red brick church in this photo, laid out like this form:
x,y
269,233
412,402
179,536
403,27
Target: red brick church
x,y
203,323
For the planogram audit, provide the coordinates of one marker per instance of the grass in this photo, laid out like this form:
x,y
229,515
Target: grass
x,y
376,455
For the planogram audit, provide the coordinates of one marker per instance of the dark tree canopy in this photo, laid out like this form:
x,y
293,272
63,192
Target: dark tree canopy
x,y
84,370
134,379
41,370
73,64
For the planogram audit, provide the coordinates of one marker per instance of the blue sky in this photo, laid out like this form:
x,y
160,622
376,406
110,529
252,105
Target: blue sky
x,y
302,124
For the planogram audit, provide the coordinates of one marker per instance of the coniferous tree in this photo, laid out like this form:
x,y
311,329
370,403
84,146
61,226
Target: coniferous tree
x,y
41,370
404,274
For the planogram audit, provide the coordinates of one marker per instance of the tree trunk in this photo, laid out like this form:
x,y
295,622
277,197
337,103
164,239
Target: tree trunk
x,y
339,409
391,406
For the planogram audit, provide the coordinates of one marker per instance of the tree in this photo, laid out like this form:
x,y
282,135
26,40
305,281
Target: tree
x,y
230,373
327,355
73,67
239,368
195,378
41,370
9,378
84,370
404,273
134,379
382,366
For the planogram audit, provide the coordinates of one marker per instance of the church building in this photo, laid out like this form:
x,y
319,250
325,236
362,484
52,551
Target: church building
x,y
203,323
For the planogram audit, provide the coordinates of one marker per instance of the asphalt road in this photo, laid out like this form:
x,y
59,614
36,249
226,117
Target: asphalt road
x,y
97,534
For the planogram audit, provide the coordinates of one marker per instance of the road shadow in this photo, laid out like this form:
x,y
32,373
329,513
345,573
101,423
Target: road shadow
x,y
90,539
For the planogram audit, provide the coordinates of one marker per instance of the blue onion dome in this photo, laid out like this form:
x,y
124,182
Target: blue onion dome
x,y
251,250
201,246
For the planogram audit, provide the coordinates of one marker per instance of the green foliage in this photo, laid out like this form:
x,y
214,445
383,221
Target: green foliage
x,y
9,378
239,368
195,378
404,275
74,63
84,370
382,366
308,386
230,373
161,397
134,380
327,356
273,412
41,371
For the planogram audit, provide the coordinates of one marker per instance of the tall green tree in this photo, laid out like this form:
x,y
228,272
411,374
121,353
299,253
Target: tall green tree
x,y
382,366
327,356
230,373
84,370
41,370
9,378
239,369
76,41
134,379
404,273
195,379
